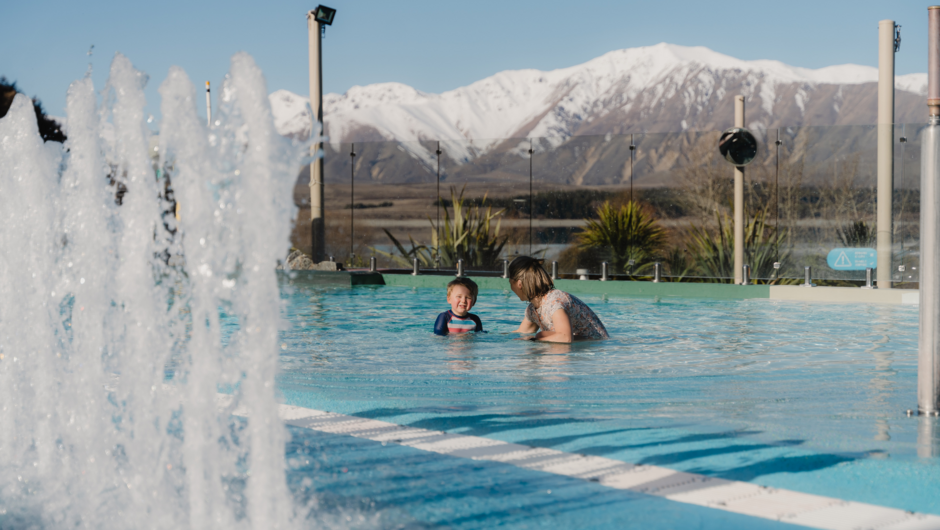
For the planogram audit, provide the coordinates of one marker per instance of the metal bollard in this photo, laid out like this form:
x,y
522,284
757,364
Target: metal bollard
x,y
506,268
657,272
372,267
414,267
869,284
807,277
604,277
554,270
331,259
460,268
746,276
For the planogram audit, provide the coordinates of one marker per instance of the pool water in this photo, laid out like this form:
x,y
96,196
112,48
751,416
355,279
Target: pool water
x,y
806,397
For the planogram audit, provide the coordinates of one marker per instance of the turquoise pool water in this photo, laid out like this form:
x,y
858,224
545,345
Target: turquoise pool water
x,y
806,397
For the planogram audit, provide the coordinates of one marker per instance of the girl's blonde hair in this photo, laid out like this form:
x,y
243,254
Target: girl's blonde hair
x,y
535,281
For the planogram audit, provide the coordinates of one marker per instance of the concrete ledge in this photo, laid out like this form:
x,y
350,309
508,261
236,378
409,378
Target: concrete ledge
x,y
337,278
844,294
716,291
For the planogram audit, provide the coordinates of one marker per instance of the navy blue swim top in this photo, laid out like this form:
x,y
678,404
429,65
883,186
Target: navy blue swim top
x,y
448,322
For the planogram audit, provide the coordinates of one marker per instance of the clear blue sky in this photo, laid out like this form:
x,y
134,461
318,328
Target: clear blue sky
x,y
433,45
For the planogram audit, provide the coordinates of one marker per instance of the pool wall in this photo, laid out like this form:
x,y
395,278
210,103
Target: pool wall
x,y
716,291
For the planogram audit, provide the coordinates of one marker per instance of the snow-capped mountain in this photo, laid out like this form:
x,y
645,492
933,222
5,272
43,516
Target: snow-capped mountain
x,y
659,88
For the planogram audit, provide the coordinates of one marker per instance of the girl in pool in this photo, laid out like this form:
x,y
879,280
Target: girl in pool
x,y
560,316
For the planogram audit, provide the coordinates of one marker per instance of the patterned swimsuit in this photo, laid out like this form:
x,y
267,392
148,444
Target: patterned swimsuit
x,y
584,323
450,324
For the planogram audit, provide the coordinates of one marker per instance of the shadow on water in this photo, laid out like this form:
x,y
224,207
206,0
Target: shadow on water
x,y
782,464
561,440
474,425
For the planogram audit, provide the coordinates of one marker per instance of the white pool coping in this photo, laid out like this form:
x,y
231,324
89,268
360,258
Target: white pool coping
x,y
731,496
844,294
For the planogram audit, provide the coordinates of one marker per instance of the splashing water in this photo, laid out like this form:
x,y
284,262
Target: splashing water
x,y
110,344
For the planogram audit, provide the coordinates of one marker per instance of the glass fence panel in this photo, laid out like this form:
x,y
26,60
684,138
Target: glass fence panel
x,y
493,179
826,199
387,199
572,179
906,208
809,192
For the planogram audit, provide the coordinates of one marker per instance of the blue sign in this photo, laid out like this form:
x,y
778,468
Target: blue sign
x,y
852,259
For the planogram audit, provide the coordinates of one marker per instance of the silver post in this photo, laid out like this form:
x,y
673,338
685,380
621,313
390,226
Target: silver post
x,y
317,221
746,275
868,279
885,150
372,264
554,270
928,355
414,267
505,268
807,277
604,277
459,268
331,259
657,272
738,198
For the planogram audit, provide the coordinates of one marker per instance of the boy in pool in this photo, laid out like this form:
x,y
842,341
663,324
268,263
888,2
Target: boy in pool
x,y
461,295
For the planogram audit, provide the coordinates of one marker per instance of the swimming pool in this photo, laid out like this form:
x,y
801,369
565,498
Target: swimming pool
x,y
805,397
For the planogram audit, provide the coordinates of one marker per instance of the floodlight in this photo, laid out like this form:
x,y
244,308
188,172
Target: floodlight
x,y
324,15
738,146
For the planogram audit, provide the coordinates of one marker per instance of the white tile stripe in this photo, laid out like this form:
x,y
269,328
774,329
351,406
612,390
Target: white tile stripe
x,y
728,495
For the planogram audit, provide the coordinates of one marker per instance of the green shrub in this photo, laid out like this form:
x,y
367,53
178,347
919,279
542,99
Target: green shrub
x,y
625,234
713,252
467,236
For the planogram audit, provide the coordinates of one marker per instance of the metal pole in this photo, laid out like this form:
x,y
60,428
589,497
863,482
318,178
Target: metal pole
x,y
885,162
657,272
437,248
869,279
506,268
777,200
807,277
414,267
604,276
632,153
531,151
746,275
738,199
554,270
352,201
928,358
459,268
317,227
208,106
372,266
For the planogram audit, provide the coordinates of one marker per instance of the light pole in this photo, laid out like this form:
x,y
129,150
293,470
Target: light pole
x,y
352,203
531,152
317,20
739,147
437,249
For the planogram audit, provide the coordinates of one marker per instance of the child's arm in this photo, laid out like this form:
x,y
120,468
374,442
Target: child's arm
x,y
562,327
478,322
440,327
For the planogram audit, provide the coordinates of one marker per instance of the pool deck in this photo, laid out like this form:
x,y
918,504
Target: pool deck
x,y
715,291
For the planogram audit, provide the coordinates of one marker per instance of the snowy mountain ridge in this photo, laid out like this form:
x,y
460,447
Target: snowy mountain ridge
x,y
657,88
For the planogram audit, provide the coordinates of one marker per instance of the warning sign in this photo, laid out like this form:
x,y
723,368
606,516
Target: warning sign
x,y
852,259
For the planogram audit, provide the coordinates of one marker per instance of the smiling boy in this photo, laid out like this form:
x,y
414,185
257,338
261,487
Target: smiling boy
x,y
461,295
